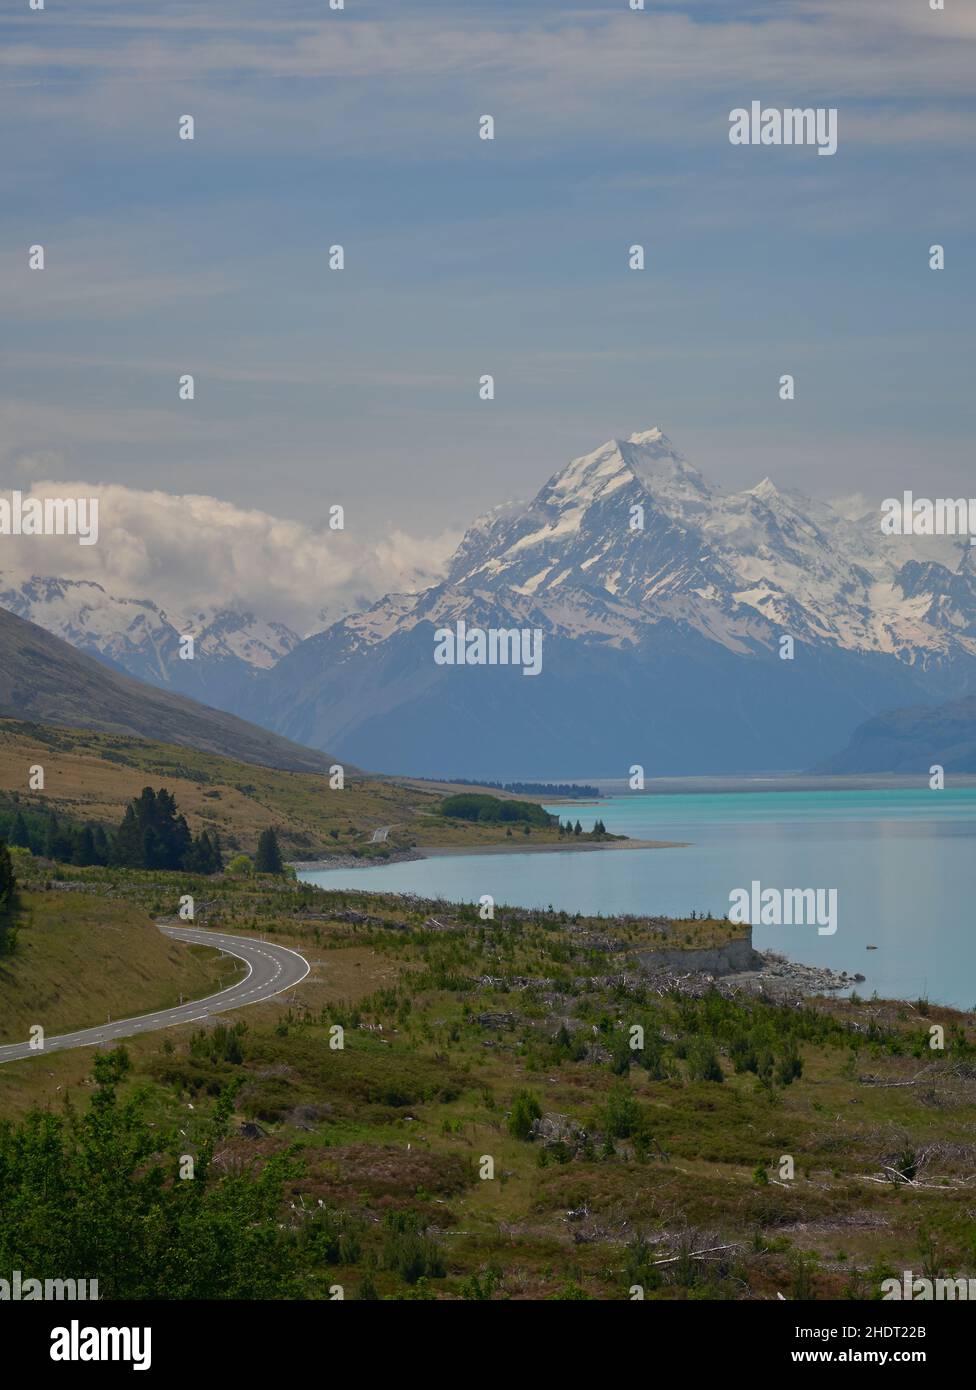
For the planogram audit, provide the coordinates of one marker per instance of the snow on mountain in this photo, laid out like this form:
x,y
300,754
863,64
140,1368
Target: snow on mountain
x,y
222,632
740,568
135,635
662,598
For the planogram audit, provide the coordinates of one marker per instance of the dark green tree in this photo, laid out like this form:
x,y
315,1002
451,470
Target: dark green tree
x,y
19,834
102,847
127,850
268,858
8,902
203,857
57,843
8,883
152,834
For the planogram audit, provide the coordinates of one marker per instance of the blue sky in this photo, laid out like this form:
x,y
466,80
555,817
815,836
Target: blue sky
x,y
465,257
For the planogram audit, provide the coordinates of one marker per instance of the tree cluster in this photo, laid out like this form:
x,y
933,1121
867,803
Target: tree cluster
x,y
153,835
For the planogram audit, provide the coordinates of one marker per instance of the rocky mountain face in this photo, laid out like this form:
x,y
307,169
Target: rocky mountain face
x,y
663,602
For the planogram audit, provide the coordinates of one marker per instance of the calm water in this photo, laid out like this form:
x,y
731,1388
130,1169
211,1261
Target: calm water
x,y
903,863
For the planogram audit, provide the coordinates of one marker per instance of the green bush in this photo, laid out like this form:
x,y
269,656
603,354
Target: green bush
x,y
525,1111
622,1115
489,810
703,1063
407,1251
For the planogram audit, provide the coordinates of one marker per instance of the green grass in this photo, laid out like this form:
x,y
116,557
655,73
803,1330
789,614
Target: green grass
x,y
392,1131
81,959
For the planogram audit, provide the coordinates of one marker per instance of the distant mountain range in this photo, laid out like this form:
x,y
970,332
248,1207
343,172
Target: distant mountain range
x,y
912,740
136,636
45,681
661,644
661,640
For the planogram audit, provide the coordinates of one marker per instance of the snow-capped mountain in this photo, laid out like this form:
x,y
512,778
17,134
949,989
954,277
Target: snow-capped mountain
x,y
720,561
663,601
136,636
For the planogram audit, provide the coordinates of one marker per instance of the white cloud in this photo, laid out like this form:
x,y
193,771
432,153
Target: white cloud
x,y
193,552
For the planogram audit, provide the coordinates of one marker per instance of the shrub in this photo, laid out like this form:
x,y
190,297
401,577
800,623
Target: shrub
x,y
703,1064
525,1111
621,1115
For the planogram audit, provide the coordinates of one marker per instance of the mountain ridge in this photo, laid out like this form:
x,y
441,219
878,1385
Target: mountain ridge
x,y
138,637
44,680
651,585
663,599
911,740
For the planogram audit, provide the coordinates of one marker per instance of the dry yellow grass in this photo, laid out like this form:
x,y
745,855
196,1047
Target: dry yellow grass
x,y
90,776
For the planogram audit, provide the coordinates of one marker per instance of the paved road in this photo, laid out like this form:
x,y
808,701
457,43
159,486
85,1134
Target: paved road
x,y
271,969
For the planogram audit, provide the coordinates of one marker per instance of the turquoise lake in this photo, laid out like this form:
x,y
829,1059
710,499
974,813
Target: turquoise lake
x,y
902,862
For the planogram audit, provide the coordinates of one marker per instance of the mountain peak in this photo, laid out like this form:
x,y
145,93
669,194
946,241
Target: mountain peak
x,y
653,438
661,468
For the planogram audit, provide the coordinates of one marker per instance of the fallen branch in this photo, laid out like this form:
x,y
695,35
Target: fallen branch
x,y
697,1254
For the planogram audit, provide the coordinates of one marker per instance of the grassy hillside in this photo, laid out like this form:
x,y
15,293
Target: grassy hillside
x,y
81,959
91,776
45,679
510,1041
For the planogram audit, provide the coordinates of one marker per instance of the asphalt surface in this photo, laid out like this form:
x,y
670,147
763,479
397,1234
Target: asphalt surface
x,y
271,970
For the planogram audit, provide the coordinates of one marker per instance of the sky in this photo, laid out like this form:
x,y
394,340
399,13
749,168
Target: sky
x,y
463,257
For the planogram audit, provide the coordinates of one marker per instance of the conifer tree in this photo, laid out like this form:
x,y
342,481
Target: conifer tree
x,y
19,834
268,858
8,883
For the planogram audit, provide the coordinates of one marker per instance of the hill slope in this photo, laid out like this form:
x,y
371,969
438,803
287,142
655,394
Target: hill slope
x,y
44,680
135,636
912,740
91,777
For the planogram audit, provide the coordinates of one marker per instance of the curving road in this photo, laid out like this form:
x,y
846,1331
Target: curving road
x,y
271,970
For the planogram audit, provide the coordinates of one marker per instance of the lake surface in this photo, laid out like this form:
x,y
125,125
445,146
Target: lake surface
x,y
903,863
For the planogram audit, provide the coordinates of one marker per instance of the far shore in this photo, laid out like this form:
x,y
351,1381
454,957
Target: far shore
x,y
564,846
346,861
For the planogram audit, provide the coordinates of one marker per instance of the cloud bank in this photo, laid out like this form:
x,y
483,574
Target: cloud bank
x,y
192,552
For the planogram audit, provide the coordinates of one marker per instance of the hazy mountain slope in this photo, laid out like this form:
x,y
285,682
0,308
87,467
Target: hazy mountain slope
x,y
44,680
661,644
136,636
912,740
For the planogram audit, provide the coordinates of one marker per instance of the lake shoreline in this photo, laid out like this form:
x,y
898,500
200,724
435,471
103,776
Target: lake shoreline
x,y
406,856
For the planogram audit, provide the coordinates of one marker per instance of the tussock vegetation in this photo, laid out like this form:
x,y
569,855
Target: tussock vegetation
x,y
91,777
488,1129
